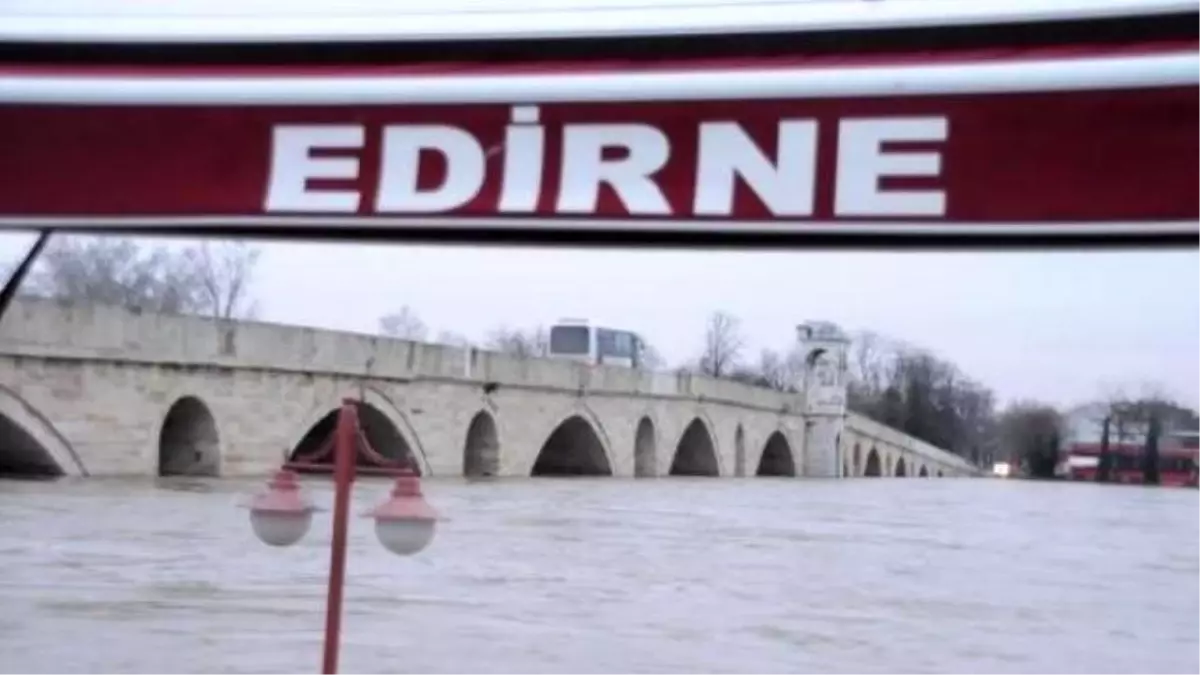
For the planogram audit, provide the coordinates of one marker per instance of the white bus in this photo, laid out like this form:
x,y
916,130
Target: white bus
x,y
577,340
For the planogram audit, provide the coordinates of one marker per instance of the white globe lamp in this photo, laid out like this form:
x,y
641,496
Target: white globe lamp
x,y
405,523
281,516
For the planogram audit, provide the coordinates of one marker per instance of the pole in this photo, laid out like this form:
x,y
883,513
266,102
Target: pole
x,y
18,275
346,438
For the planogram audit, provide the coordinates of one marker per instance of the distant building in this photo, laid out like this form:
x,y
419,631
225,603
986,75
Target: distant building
x,y
1085,424
1079,454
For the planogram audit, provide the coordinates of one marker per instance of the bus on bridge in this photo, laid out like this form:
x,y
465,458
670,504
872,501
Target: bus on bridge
x,y
578,340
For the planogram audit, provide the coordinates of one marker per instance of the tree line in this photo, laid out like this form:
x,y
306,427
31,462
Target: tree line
x,y
905,387
208,278
926,396
205,278
1031,432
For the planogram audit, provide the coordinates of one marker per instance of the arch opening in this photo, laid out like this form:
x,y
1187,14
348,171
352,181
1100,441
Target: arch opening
x,y
22,456
739,452
923,473
873,468
188,444
776,457
939,473
481,451
901,470
695,455
572,449
645,454
857,466
388,445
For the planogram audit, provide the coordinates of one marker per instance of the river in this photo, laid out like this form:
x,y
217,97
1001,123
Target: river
x,y
607,575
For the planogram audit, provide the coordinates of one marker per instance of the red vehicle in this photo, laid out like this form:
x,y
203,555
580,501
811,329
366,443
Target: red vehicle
x,y
1177,462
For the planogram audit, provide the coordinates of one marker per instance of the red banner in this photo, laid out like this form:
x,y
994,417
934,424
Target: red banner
x,y
1070,157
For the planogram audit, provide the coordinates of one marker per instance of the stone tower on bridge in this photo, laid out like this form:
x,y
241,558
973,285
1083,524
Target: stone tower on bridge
x,y
823,381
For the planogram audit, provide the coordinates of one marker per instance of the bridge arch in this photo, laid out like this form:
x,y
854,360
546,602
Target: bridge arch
x,y
188,441
924,472
739,451
481,449
901,469
776,459
573,448
856,466
382,431
403,424
873,468
695,453
29,443
645,450
939,473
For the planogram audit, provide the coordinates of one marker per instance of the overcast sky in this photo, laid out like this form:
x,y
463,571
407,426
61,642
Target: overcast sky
x,y
1055,326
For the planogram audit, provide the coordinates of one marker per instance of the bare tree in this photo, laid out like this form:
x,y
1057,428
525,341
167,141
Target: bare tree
x,y
774,370
210,279
925,396
652,359
224,271
1142,420
1125,421
722,345
520,343
1162,416
1029,437
452,339
403,324
869,354
116,271
1115,416
1150,454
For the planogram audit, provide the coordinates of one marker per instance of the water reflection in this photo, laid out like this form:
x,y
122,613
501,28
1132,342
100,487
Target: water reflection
x,y
605,575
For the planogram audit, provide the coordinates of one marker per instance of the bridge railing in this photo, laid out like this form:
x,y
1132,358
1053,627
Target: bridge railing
x,y
898,439
45,328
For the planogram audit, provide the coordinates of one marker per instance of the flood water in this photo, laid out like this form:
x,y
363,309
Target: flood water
x,y
669,575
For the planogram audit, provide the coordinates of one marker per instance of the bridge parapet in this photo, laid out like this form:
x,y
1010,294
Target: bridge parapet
x,y
49,329
865,426
102,375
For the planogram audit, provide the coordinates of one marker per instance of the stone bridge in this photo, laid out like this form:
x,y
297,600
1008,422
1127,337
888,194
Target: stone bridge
x,y
99,391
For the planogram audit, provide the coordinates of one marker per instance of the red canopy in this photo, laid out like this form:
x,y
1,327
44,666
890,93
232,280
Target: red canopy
x,y
1075,138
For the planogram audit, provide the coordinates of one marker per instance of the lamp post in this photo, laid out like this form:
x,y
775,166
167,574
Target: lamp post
x,y
13,284
404,524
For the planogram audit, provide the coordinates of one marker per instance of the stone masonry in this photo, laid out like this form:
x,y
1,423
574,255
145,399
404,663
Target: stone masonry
x,y
99,391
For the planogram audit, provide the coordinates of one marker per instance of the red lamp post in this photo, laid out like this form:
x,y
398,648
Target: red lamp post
x,y
404,524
